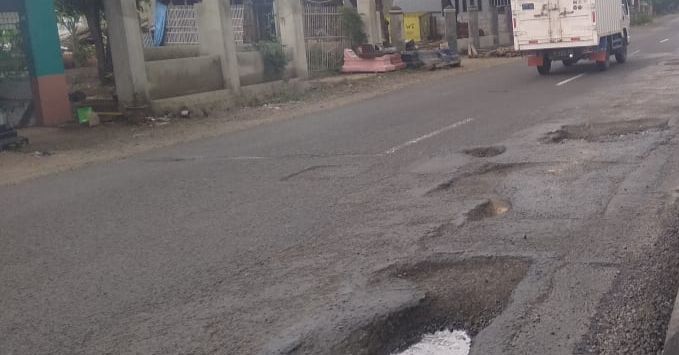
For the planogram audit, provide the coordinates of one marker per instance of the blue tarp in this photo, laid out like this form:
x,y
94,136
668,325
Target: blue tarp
x,y
160,19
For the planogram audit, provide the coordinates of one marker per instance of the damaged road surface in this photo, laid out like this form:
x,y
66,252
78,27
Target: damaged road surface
x,y
530,217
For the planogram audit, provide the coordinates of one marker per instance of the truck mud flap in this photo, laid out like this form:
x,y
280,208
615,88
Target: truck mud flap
x,y
536,60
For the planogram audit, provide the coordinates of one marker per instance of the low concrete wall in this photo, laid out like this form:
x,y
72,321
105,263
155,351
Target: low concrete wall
x,y
267,90
486,42
185,76
198,104
206,102
171,52
250,67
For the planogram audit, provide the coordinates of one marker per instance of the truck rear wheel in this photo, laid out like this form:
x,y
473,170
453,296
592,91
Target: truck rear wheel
x,y
545,67
604,65
621,55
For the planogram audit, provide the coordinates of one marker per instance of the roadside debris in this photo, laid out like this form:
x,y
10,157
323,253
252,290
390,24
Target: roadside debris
x,y
41,153
157,121
498,52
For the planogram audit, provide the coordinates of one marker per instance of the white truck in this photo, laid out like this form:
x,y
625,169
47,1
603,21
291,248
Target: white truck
x,y
571,30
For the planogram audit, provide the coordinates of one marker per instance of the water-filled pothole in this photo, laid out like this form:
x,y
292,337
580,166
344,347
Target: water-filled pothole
x,y
445,342
487,209
457,294
485,152
596,132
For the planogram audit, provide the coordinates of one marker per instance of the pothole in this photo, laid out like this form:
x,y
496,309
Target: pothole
x,y
459,295
475,173
487,209
597,132
485,152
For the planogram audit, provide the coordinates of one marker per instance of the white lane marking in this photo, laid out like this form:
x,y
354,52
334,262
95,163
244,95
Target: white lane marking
x,y
246,158
664,40
428,135
635,52
569,80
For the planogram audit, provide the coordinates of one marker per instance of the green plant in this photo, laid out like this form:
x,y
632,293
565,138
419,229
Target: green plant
x,y
352,25
273,57
83,54
641,19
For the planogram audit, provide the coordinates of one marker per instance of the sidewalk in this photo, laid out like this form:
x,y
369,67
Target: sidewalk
x,y
53,150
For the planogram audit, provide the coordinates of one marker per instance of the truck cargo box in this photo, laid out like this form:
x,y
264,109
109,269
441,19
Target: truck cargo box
x,y
548,24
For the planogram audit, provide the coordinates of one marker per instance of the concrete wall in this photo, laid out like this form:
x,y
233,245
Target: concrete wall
x,y
184,76
250,67
486,42
171,52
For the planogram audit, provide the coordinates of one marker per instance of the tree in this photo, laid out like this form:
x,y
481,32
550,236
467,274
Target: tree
x,y
92,10
69,18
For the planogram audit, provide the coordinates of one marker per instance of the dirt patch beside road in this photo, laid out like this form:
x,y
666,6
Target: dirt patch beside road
x,y
70,148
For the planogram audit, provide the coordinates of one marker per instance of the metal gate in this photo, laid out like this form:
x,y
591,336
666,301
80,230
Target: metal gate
x,y
15,86
12,58
324,37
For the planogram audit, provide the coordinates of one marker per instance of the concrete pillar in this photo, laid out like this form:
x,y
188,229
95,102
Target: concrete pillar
x,y
215,33
396,28
494,24
290,18
450,16
129,68
50,90
474,26
371,24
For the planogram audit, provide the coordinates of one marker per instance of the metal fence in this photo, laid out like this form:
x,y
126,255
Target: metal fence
x,y
238,21
252,21
12,56
182,26
324,37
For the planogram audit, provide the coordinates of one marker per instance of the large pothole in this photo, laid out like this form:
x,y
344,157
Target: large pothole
x,y
597,132
485,152
459,295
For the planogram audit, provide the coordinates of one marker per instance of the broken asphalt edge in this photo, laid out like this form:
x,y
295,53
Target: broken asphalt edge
x,y
672,337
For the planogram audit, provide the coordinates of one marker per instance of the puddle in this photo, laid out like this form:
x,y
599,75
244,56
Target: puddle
x,y
445,342
485,152
598,132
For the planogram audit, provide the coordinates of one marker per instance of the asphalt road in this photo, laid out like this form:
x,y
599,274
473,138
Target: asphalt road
x,y
256,240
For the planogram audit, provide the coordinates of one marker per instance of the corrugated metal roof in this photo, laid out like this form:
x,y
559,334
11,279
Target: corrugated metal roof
x,y
419,5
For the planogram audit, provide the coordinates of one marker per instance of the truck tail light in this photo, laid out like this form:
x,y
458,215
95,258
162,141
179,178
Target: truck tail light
x,y
575,39
533,41
593,16
514,22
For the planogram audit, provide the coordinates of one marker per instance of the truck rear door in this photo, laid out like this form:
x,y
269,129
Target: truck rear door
x,y
553,23
576,21
532,22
